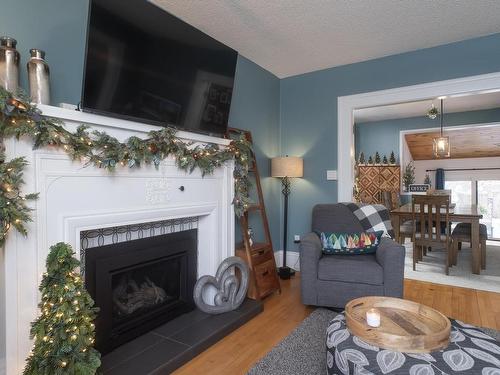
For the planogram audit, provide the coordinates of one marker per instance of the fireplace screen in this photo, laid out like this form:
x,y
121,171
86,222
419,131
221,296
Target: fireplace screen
x,y
140,284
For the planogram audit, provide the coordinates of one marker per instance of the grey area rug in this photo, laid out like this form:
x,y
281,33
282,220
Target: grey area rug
x,y
303,352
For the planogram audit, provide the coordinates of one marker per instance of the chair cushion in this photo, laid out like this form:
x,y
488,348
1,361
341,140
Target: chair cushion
x,y
362,269
350,243
334,218
464,229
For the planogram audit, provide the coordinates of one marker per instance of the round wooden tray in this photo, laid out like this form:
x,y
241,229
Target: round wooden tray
x,y
405,326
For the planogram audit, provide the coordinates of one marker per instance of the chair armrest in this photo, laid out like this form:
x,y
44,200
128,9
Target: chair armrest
x,y
391,256
310,254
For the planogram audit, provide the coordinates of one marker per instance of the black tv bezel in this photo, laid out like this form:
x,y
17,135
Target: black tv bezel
x,y
140,119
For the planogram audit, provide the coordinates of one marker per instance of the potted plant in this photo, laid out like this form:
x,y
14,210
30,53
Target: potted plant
x,y
392,159
408,175
427,179
361,158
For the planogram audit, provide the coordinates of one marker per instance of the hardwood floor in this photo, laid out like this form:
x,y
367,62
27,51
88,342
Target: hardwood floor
x,y
237,353
469,305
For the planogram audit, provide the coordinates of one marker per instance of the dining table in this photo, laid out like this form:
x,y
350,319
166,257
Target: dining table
x,y
459,213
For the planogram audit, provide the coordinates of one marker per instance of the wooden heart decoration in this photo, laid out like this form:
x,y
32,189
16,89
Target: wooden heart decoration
x,y
230,293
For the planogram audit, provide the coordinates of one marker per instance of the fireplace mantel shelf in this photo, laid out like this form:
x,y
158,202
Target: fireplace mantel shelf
x,y
117,123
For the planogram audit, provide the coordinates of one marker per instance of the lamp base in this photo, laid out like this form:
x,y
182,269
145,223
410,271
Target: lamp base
x,y
285,272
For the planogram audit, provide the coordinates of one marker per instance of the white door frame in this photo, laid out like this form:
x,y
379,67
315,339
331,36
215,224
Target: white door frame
x,y
347,104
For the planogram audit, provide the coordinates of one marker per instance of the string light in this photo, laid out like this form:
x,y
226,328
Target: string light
x,y
52,133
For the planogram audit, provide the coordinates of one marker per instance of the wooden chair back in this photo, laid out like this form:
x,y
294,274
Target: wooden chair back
x,y
391,199
439,192
387,200
432,212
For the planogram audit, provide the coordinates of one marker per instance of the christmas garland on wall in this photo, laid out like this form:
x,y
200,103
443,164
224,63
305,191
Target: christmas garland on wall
x,y
19,118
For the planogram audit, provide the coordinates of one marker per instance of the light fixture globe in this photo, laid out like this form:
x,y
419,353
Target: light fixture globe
x,y
441,145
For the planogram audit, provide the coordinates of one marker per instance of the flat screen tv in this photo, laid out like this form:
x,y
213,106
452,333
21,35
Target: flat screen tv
x,y
143,64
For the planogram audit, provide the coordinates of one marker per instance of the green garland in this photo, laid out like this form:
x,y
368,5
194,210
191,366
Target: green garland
x,y
19,118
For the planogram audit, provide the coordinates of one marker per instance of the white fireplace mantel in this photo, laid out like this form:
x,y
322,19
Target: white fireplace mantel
x,y
74,198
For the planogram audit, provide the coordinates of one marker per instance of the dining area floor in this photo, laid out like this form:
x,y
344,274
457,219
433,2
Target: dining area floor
x,y
430,268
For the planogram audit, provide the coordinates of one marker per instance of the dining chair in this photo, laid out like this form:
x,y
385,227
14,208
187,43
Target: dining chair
x,y
430,211
392,200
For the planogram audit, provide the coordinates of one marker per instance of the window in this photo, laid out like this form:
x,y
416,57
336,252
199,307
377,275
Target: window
x,y
488,201
461,192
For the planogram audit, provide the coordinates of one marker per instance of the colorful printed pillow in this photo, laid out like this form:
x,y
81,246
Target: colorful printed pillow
x,y
350,243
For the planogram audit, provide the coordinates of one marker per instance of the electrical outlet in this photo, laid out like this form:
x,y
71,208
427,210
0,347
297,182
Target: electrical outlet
x,y
296,238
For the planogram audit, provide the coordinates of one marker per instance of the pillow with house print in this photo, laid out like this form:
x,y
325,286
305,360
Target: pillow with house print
x,y
350,243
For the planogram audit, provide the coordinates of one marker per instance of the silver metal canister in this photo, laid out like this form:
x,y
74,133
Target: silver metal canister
x,y
39,77
9,63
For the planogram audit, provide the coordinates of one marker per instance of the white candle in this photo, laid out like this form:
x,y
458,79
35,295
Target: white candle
x,y
373,318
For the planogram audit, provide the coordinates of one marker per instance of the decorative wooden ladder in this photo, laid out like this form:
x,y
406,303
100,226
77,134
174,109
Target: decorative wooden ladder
x,y
259,256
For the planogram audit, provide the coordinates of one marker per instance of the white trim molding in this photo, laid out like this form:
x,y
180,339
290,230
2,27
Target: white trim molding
x,y
347,104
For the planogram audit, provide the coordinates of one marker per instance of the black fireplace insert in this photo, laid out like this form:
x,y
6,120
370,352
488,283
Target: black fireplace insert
x,y
140,284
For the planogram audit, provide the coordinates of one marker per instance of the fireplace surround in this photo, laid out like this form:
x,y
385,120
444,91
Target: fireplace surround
x,y
75,198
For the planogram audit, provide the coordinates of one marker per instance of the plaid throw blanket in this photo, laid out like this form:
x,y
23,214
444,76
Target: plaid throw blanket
x,y
373,217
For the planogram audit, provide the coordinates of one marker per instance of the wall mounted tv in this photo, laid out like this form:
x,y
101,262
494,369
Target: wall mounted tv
x,y
143,64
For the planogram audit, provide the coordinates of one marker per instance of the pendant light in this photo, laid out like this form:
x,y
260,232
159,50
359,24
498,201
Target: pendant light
x,y
441,144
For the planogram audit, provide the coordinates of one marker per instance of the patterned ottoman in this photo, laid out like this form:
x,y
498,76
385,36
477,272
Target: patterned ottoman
x,y
471,351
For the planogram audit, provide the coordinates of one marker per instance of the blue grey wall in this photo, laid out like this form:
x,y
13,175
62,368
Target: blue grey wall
x,y
383,136
309,108
255,107
59,28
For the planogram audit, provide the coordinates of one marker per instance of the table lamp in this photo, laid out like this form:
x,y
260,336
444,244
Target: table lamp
x,y
286,168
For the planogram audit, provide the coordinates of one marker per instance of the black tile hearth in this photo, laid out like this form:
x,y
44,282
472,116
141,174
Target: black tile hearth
x,y
171,345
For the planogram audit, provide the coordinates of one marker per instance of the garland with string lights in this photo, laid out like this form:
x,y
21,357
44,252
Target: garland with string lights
x,y
19,118
63,334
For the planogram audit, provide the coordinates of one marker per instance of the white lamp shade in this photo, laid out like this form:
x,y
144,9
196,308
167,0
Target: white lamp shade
x,y
288,166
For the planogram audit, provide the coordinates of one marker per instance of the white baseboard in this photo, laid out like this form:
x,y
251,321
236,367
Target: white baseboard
x,y
292,259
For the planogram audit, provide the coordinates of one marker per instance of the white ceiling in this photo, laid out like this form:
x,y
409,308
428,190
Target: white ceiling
x,y
464,103
289,37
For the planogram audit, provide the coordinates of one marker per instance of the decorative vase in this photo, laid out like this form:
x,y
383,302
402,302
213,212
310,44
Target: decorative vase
x,y
39,77
9,64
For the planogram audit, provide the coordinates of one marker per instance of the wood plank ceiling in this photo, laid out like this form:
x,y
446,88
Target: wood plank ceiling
x,y
483,141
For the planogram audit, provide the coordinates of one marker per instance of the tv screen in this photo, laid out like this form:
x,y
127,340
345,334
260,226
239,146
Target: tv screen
x,y
143,64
